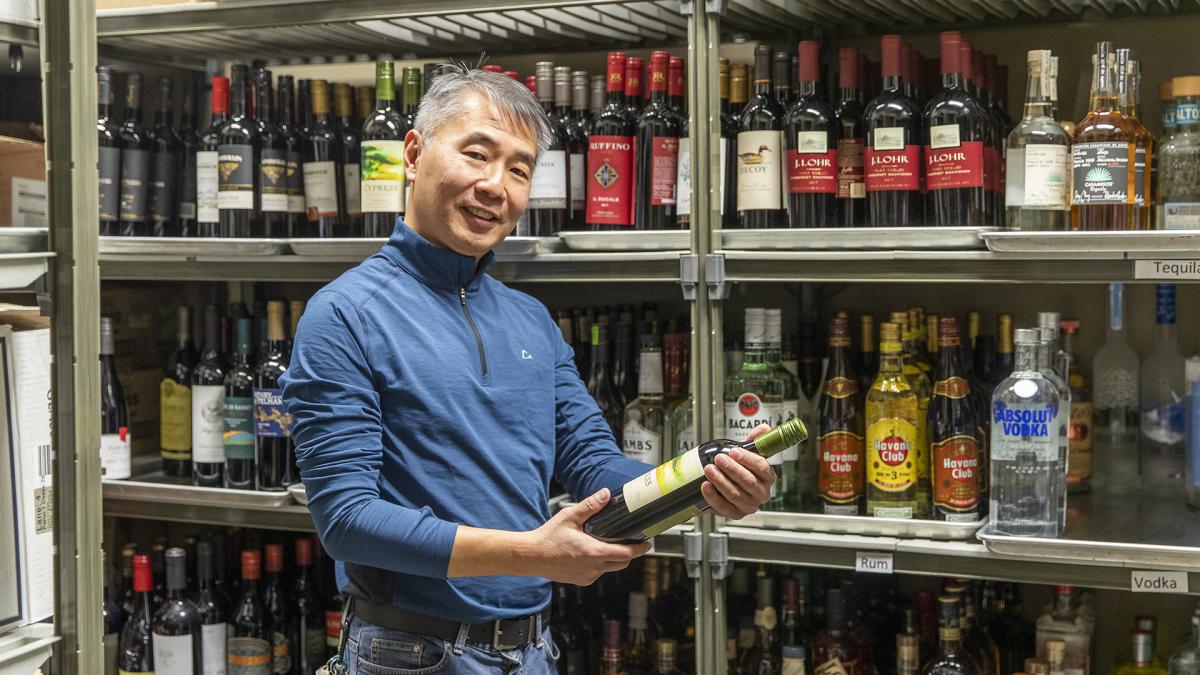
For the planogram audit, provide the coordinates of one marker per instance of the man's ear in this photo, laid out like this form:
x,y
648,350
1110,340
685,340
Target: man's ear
x,y
412,153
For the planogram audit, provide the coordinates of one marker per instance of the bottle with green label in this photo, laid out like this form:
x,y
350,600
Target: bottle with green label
x,y
175,401
382,163
239,412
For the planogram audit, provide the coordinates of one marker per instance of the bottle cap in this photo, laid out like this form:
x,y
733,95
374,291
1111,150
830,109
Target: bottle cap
x,y
612,634
639,610
304,552
176,569
616,71
665,648
143,579
106,336
809,52
848,68
890,46
251,565
204,561
835,609
1184,86
633,77
274,557
1028,336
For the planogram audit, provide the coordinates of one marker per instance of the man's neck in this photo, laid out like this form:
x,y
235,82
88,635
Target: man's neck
x,y
415,226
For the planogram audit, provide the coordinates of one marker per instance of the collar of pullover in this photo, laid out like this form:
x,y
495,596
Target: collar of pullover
x,y
436,267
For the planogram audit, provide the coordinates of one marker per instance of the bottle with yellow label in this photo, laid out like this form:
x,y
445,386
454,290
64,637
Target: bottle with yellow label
x,y
175,401
892,434
922,386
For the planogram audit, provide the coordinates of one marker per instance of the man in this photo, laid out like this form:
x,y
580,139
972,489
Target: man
x,y
432,405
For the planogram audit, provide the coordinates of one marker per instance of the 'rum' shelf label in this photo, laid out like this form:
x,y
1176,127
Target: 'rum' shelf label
x,y
1167,270
1145,581
873,562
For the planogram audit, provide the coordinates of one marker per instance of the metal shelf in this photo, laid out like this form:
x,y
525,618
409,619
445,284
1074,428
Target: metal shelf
x,y
22,270
26,648
24,33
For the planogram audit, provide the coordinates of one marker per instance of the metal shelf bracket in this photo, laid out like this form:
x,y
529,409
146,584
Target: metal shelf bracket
x,y
693,553
712,7
714,276
689,275
718,555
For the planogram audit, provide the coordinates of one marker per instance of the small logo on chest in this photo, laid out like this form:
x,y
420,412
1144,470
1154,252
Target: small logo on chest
x,y
526,356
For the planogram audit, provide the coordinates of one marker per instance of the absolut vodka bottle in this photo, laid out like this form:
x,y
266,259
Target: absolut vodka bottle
x,y
1046,358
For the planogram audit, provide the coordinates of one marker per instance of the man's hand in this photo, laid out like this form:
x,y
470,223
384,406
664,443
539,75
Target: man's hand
x,y
740,482
561,551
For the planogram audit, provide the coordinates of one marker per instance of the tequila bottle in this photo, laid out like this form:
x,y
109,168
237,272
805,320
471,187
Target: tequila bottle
x,y
1115,374
1104,155
642,432
1038,159
1160,447
892,434
1079,433
1129,82
754,394
1179,154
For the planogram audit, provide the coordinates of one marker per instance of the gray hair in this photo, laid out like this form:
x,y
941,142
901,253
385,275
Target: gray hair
x,y
512,100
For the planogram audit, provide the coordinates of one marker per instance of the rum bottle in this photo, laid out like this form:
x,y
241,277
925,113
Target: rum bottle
x,y
840,455
791,464
950,658
953,429
892,434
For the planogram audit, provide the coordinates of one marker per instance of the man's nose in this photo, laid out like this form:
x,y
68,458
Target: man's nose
x,y
491,181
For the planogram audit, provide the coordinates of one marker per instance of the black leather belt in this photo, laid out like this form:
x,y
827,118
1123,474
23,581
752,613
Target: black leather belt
x,y
502,634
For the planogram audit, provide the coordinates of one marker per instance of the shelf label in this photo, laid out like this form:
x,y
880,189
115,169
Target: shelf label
x,y
1170,270
873,562
1145,581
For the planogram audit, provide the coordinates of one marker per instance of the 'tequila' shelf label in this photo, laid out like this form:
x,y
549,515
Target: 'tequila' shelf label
x,y
1169,270
1146,581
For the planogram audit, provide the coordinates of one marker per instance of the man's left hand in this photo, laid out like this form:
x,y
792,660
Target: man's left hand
x,y
740,482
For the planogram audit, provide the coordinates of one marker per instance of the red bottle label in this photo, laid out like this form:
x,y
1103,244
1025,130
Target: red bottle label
x,y
333,628
812,172
840,476
610,180
959,167
850,169
956,473
893,169
664,168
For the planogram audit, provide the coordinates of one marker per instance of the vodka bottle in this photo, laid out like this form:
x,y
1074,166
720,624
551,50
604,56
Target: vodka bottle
x,y
1062,421
1115,393
1160,446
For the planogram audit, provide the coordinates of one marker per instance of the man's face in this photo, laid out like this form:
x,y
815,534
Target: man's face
x,y
471,179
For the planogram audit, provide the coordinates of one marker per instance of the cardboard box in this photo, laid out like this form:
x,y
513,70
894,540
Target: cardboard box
x,y
22,183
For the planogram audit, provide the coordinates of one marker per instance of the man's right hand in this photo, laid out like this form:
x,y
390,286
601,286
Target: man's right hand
x,y
561,551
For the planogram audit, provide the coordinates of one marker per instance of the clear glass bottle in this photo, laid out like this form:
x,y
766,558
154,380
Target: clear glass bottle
x,y
1047,353
754,394
1079,434
1179,160
1186,660
1115,374
951,658
1064,621
917,369
1160,445
788,491
1038,158
642,431
1025,448
892,434
1141,661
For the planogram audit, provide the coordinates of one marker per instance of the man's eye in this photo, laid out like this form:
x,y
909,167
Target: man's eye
x,y
520,172
473,154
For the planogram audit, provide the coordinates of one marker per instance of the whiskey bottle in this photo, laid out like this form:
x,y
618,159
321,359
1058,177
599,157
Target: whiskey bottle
x,y
1037,190
1103,155
1129,79
892,434
868,358
840,459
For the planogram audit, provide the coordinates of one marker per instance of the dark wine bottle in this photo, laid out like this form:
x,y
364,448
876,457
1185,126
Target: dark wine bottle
x,y
238,160
308,636
127,594
670,494
114,616
208,218
115,441
249,644
811,139
332,599
158,568
657,153
323,185
211,608
759,152
208,407
633,88
293,143
383,157
239,412
781,79
730,116
136,652
683,176
600,383
175,401
576,124
164,170
348,130
676,89
278,606
610,158
956,131
177,642
273,203
185,209
137,149
110,155
851,190
273,446
840,453
549,187
953,433
892,155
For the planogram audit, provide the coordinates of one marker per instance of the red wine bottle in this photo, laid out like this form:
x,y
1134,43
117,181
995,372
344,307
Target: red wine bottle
x,y
185,209
238,157
633,88
115,442
136,652
851,189
208,218
610,160
164,170
211,608
810,136
177,643
892,154
109,164
957,130
136,155
208,403
308,634
249,646
175,401
576,123
238,421
350,154
1000,126
274,449
273,167
278,606
759,152
657,153
549,189
323,185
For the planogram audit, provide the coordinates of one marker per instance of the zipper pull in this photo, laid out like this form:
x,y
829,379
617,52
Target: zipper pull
x,y
462,295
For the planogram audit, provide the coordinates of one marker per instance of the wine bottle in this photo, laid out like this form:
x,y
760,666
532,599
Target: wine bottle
x,y
781,79
323,183
350,154
304,113
759,141
308,636
127,594
136,155
278,611
164,170
892,154
185,209
211,608
239,412
851,190
383,157
811,140
610,158
177,641
115,441
956,133
632,100
549,187
577,142
208,407
208,218
731,111
683,175
136,651
175,401
600,384
273,448
249,643
657,151
109,157
273,162
293,143
114,617
670,494
238,160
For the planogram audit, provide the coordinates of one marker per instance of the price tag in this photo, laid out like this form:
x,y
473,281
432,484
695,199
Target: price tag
x,y
1167,270
873,563
1145,581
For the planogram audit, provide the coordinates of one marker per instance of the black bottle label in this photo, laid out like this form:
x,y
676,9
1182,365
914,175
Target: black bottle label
x,y
110,183
235,177
162,187
135,179
1101,172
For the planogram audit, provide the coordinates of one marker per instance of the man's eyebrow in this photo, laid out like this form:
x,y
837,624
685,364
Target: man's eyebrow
x,y
484,139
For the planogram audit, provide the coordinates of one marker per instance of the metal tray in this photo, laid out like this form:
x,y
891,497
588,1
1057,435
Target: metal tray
x,y
855,238
357,248
1066,550
156,488
863,526
1066,242
659,240
299,495
23,239
191,247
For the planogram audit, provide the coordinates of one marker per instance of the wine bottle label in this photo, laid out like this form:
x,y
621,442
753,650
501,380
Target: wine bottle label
x,y
1139,176
952,166
1039,177
956,475
850,183
272,177
662,479
885,139
812,167
208,423
1025,429
135,184
110,183
1101,173
789,410
333,629
212,641
892,169
173,654
295,182
667,523
238,437
548,188
175,419
235,174
187,190
1180,216
746,413
162,187
792,667
641,444
840,469
270,418
248,656
610,180
320,190
281,654
664,170
892,454
382,176
207,186
115,453
760,175
683,179
578,162
350,178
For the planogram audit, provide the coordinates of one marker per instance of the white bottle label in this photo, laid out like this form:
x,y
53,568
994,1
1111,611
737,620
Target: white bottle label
x,y
212,641
173,654
943,136
746,413
115,454
548,189
208,423
578,185
350,178
759,180
663,479
683,179
1180,216
888,138
642,444
1046,177
382,176
207,185
320,188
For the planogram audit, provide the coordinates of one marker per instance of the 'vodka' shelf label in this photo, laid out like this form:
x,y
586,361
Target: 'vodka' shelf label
x,y
1148,581
873,562
1167,270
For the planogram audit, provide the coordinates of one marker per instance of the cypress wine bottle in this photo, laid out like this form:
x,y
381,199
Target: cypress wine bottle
x,y
164,169
323,184
175,401
670,494
238,160
208,407
177,641
208,218
136,154
110,155
239,411
382,146
272,438
759,150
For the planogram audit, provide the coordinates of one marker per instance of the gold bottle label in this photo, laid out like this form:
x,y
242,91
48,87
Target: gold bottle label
x,y
892,454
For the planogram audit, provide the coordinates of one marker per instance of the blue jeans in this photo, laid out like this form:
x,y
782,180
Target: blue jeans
x,y
375,650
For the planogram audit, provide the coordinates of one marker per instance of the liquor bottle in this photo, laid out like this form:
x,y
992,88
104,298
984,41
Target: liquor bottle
x,y
950,658
568,631
642,430
1142,661
610,157
795,484
840,454
1186,659
953,431
759,150
956,130
308,634
637,656
1052,363
208,407
158,568
1025,448
765,656
1162,391
278,610
1080,439
1038,156
208,218
892,151
549,189
1115,372
249,646
1179,190
324,187
916,368
1005,355
576,126
833,647
632,100
383,132
811,142
136,156
868,358
238,407
1065,622
1148,624
349,154
599,383
658,131
177,642
114,618
238,157
175,401
754,394
1103,155
211,608
892,434
115,442
1129,78
851,188
736,91
670,494
185,194
109,159
274,450
666,656
164,169
611,658
908,654
136,651
273,200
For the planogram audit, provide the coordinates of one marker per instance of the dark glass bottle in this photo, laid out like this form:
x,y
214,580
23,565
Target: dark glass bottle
x,y
115,442
114,616
840,455
633,88
811,138
109,157
950,658
576,125
764,657
868,357
249,645
382,146
177,646
277,602
730,117
239,158
683,174
136,652
324,188
175,401
164,169
350,154
158,568
759,152
851,188
137,148
569,634
211,607
239,411
304,114
127,594
957,132
610,157
274,449
676,87
600,383
273,165
208,219
657,146
208,403
308,635
781,79
293,143
549,189
892,151
185,210
953,433
985,363
1005,361
835,642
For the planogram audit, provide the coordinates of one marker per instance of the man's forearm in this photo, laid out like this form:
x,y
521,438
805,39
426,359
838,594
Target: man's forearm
x,y
480,552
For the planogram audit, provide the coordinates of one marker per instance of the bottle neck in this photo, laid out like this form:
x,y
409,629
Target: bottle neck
x,y
1027,358
1037,99
847,94
237,97
893,83
754,355
263,104
953,81
891,362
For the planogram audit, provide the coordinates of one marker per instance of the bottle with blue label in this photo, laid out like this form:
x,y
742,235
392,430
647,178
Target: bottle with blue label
x,y
1161,444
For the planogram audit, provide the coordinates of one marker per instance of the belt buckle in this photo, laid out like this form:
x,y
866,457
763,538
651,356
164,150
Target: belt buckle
x,y
498,634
